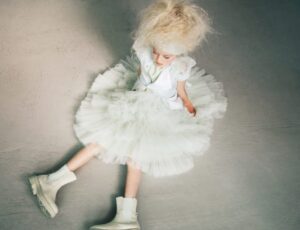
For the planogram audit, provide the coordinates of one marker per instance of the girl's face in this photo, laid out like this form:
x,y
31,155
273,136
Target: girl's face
x,y
162,59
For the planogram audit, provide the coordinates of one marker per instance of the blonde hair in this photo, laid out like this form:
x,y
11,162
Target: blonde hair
x,y
177,22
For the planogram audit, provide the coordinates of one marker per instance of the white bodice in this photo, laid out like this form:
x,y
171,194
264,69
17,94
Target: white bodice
x,y
162,81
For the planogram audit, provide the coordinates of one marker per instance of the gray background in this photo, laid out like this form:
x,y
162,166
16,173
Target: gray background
x,y
50,52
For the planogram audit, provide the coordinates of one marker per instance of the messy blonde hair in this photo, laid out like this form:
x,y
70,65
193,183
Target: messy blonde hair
x,y
173,21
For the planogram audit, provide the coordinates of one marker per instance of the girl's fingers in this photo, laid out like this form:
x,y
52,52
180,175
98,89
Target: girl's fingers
x,y
194,112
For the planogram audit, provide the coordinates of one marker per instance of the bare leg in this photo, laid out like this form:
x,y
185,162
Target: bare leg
x,y
83,156
45,187
132,181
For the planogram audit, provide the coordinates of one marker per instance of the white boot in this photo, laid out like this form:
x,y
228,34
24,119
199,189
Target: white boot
x,y
45,188
126,217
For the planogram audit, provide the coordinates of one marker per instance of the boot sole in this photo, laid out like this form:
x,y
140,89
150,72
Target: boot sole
x,y
113,228
49,209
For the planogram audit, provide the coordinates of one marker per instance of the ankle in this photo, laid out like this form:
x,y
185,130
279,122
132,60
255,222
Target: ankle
x,y
63,172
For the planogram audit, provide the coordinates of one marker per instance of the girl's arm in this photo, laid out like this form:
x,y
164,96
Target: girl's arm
x,y
183,95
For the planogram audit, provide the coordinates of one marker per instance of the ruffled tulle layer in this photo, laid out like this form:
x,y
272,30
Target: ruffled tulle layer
x,y
138,126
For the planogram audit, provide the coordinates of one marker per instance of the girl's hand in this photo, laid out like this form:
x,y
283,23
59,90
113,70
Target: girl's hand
x,y
183,95
190,108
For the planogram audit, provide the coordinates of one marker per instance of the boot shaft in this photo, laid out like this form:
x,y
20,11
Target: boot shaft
x,y
61,177
126,209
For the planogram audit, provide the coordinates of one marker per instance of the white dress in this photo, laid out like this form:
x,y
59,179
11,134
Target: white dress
x,y
142,119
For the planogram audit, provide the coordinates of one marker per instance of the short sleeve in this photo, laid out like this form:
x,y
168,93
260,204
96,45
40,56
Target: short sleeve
x,y
181,68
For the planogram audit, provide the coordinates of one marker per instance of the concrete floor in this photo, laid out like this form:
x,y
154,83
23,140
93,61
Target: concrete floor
x,y
50,52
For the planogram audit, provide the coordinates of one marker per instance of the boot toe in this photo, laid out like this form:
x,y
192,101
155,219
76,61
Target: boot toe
x,y
46,203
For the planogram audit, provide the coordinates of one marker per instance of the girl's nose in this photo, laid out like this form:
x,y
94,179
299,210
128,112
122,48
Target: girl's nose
x,y
158,58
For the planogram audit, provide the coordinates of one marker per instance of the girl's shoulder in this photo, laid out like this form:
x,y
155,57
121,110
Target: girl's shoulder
x,y
181,67
183,62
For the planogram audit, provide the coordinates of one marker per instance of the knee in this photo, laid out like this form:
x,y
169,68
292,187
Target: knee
x,y
132,165
96,149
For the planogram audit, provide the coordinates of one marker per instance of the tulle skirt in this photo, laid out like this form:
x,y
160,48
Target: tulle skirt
x,y
138,126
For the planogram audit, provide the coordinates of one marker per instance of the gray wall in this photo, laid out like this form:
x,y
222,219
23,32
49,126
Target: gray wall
x,y
50,52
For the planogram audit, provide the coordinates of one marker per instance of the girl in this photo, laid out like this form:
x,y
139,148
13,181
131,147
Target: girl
x,y
144,112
